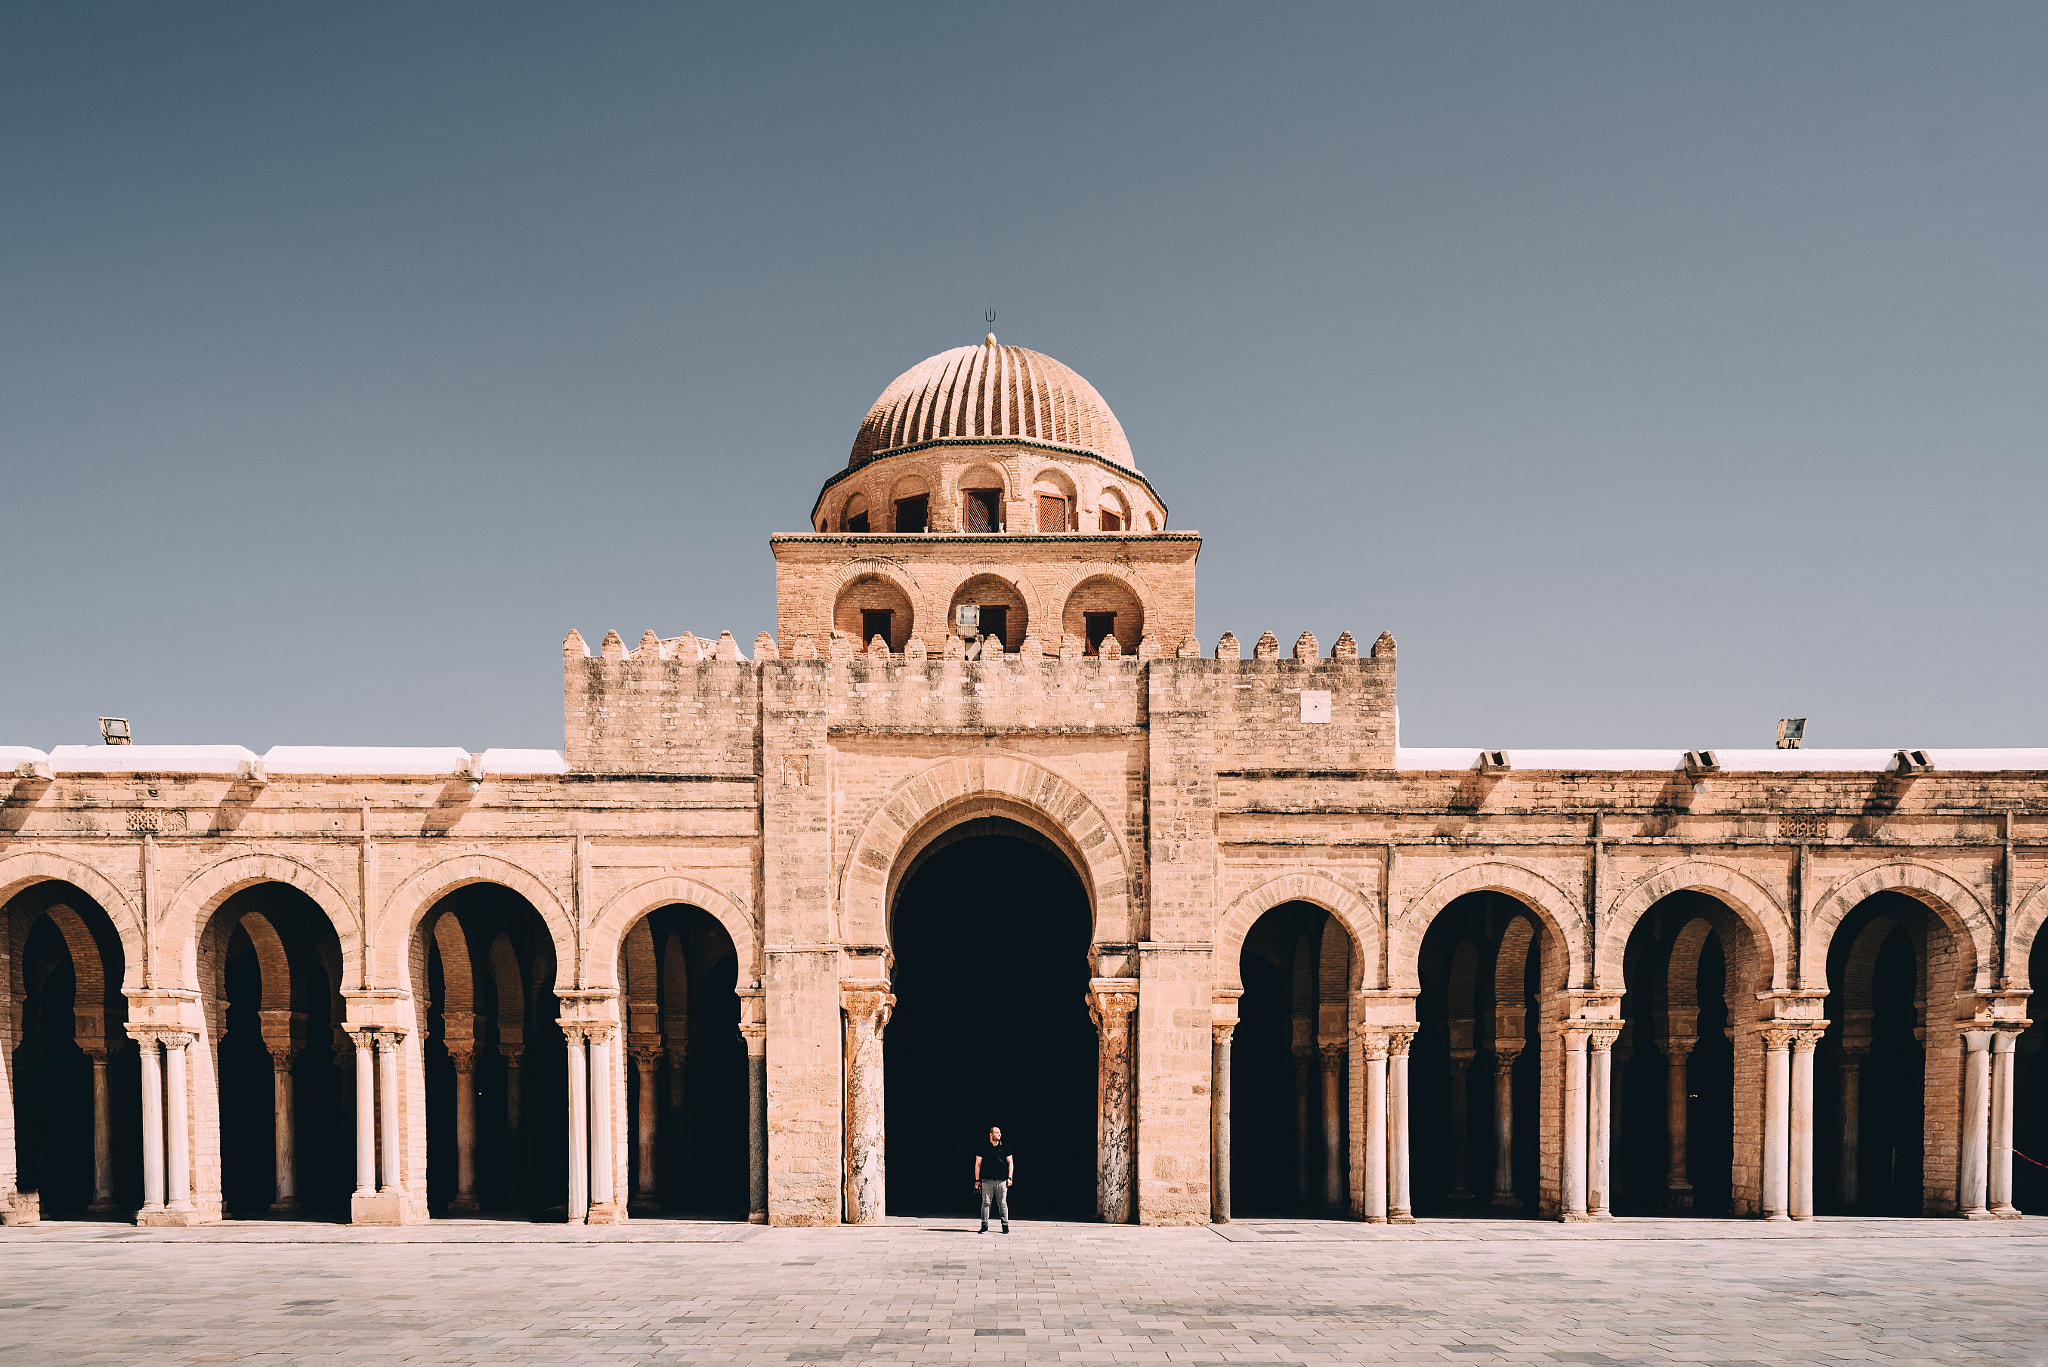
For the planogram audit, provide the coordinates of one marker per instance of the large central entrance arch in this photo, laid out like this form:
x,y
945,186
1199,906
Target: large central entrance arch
x,y
990,929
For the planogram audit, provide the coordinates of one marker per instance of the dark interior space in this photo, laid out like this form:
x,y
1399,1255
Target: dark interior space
x,y
1459,965
701,1163
1667,965
1277,1152
1891,1074
52,1074
2030,1099
990,935
522,1101
322,1081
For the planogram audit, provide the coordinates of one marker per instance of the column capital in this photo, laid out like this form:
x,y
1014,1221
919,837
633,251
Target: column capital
x,y
283,1056
1386,1041
512,1054
1603,1040
1677,1048
867,1004
1803,1041
2005,1040
1504,1060
575,1032
646,1054
463,1059
1221,1031
1777,1038
1111,1002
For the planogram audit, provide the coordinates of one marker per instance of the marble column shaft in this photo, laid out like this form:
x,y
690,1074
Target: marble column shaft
x,y
284,1130
1111,1008
152,1122
647,1118
1375,1050
1333,1123
1219,1123
756,1038
1799,1155
579,1126
178,1138
1973,1169
1677,1051
2003,1045
391,1160
366,1114
867,1011
1400,1206
599,1137
1777,1138
1504,1126
1600,1122
102,1133
1572,1183
465,1129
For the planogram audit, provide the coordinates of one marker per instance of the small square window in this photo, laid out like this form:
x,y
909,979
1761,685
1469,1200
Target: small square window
x,y
875,622
984,510
1100,624
1111,520
1052,513
912,514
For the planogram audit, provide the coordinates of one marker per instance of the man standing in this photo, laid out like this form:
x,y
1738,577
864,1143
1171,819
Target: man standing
x,y
994,1169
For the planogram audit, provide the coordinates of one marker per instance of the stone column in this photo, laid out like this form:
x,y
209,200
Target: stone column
x,y
283,1128
1111,1004
1800,1148
1677,1110
177,1133
1849,1092
152,1124
1400,1208
1572,1184
646,1061
1375,1049
1599,1122
465,1129
1504,1126
755,1034
392,1164
1972,1195
515,1092
1219,1122
2000,1185
1461,1059
579,1125
1777,1156
867,1010
366,1114
602,1193
1333,1123
103,1133
1304,1070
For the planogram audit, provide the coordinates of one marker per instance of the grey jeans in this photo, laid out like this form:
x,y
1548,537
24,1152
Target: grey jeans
x,y
998,1190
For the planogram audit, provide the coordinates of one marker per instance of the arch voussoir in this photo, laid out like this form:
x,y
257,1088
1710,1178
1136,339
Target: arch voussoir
x,y
1555,909
1762,913
1354,909
1933,886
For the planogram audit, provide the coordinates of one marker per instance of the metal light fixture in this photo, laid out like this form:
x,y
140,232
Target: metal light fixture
x,y
114,730
1791,731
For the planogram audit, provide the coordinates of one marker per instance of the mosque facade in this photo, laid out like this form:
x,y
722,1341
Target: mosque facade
x,y
983,832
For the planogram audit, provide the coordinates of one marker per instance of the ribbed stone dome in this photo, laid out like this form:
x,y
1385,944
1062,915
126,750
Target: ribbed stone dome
x,y
991,392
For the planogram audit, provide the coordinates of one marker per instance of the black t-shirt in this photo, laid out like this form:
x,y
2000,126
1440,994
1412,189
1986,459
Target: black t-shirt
x,y
995,1161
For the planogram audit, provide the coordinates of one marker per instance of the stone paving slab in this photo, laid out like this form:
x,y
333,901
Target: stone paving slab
x,y
1693,1292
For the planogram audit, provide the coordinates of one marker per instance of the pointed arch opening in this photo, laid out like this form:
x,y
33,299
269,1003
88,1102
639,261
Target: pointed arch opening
x,y
989,933
270,967
494,1060
1877,1079
1290,1123
686,1066
75,1074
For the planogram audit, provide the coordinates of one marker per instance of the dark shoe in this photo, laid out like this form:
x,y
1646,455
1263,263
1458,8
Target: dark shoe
x,y
1006,1226
983,1229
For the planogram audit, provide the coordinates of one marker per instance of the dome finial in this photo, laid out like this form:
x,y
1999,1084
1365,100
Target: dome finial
x,y
990,340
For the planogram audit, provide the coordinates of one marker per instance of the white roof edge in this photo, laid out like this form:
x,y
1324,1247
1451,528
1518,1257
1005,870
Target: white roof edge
x,y
17,754
1731,761
512,762
149,759
388,761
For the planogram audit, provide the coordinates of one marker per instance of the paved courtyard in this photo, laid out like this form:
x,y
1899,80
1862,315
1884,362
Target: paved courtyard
x,y
923,1291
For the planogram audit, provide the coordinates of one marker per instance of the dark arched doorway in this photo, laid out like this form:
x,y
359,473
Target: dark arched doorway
x,y
1289,1146
494,1049
1870,1084
990,936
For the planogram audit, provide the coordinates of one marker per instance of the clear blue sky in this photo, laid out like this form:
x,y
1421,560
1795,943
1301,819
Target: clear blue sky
x,y
1652,372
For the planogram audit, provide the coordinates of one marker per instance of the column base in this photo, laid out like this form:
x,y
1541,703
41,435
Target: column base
x,y
1980,1213
1578,1217
102,1207
169,1218
1678,1198
1506,1200
1376,1219
1400,1217
644,1205
605,1213
1778,1216
377,1208
1457,1194
464,1205
2005,1212
757,1217
283,1207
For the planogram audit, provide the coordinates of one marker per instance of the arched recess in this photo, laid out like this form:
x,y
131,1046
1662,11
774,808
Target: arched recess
x,y
2027,919
1762,913
1928,884
922,807
626,909
1351,907
192,907
24,870
1557,910
400,918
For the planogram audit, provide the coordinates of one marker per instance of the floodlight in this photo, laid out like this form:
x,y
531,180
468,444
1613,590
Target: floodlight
x,y
1907,763
1493,761
114,730
1791,731
1699,763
